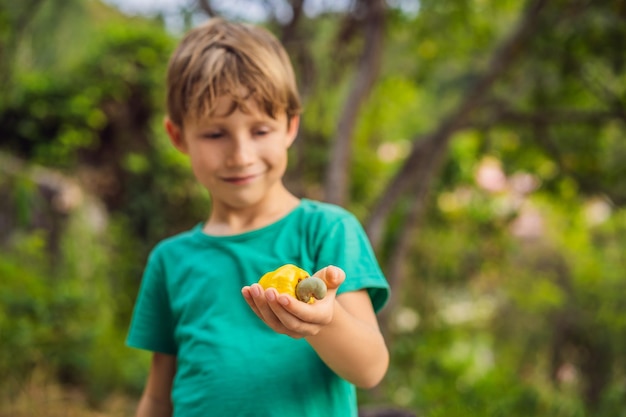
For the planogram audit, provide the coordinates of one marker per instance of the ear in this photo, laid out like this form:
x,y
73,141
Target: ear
x,y
292,129
175,134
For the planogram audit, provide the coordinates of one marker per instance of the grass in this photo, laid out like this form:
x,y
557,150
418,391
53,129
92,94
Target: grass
x,y
40,396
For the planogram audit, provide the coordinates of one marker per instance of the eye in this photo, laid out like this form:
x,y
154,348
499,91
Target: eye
x,y
262,131
212,135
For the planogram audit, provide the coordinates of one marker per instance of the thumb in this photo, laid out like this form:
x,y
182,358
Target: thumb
x,y
332,275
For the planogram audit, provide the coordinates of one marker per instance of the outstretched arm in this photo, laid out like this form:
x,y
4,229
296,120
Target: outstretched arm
x,y
352,344
342,329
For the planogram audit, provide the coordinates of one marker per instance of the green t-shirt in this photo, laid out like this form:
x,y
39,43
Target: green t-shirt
x,y
230,363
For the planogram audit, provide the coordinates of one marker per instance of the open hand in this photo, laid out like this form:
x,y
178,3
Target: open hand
x,y
287,315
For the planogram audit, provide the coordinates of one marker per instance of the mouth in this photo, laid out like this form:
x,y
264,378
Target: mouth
x,y
241,179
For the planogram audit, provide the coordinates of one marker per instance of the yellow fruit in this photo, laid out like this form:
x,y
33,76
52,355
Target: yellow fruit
x,y
289,279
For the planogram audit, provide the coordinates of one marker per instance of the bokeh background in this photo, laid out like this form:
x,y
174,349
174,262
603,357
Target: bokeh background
x,y
481,143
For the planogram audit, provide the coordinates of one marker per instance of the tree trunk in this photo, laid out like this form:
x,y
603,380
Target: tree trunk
x,y
337,178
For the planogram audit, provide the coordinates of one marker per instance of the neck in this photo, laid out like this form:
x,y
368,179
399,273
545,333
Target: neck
x,y
225,220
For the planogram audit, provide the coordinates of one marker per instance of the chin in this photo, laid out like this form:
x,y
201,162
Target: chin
x,y
243,202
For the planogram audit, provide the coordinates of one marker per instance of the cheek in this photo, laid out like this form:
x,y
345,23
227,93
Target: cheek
x,y
278,159
202,162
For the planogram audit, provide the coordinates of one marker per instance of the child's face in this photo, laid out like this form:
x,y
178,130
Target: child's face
x,y
239,157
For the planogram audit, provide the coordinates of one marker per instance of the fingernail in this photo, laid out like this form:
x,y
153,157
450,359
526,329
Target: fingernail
x,y
283,300
271,296
255,291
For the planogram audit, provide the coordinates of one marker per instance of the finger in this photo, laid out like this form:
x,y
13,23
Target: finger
x,y
282,307
247,295
332,275
318,313
256,300
281,319
259,299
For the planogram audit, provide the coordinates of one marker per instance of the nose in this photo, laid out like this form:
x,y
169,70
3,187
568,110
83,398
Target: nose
x,y
241,152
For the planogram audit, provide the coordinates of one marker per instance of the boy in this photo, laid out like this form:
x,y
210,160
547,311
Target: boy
x,y
222,345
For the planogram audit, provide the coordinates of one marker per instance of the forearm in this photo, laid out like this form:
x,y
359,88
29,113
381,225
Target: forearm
x,y
353,348
151,407
156,399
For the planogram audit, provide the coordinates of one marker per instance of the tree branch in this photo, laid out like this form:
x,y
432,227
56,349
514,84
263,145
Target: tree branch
x,y
207,8
289,30
500,114
427,154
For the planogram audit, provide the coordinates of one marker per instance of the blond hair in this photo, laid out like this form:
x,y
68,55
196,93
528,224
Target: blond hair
x,y
228,58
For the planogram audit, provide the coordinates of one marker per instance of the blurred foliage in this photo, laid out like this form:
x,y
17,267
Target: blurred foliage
x,y
60,312
498,325
511,302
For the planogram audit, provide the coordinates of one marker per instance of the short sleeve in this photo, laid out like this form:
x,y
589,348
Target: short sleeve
x,y
347,246
152,324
